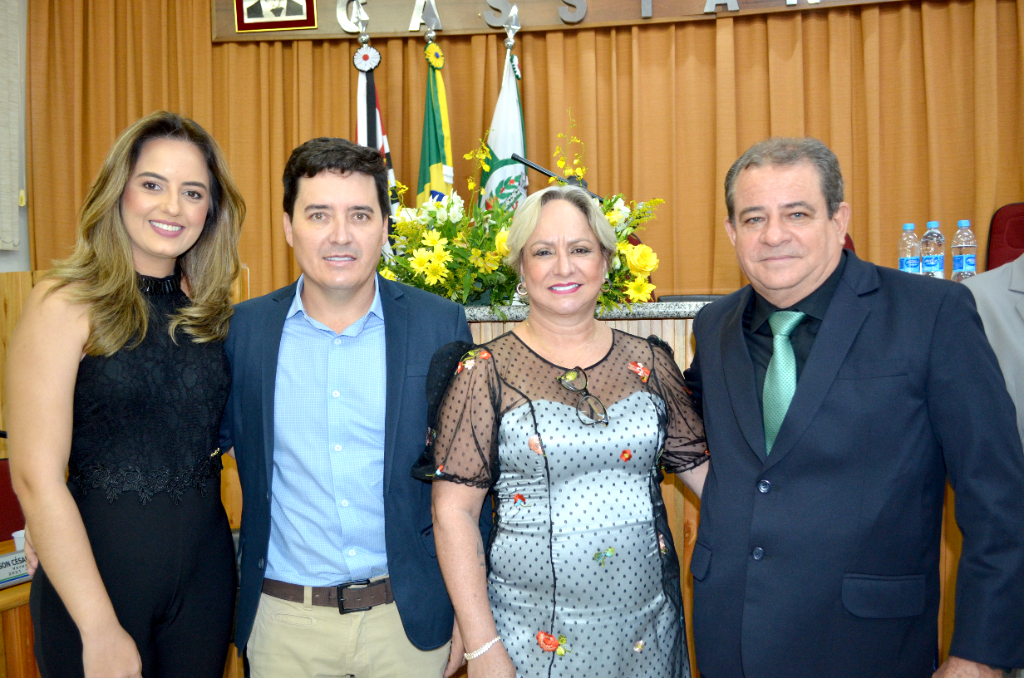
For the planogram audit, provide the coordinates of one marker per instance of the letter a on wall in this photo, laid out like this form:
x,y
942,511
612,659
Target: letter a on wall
x,y
422,13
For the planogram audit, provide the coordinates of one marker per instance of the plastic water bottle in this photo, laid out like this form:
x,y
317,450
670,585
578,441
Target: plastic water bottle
x,y
964,246
909,249
933,252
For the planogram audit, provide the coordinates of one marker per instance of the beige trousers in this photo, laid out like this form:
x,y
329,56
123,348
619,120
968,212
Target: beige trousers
x,y
296,639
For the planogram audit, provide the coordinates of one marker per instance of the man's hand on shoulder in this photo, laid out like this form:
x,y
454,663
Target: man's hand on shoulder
x,y
954,667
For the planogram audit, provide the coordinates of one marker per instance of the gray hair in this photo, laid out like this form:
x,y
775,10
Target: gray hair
x,y
783,152
524,221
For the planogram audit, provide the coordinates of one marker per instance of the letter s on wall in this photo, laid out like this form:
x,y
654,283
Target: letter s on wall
x,y
497,21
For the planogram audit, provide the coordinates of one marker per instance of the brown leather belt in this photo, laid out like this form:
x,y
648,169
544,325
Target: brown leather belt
x,y
355,596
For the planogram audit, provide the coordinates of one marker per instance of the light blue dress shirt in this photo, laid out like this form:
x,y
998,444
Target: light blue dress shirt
x,y
327,503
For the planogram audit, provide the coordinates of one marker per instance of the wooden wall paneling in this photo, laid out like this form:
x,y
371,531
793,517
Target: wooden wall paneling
x,y
14,290
230,488
234,667
12,658
20,660
643,328
231,492
16,635
687,506
667,332
240,288
15,596
684,531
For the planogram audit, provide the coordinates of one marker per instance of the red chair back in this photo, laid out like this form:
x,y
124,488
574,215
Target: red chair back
x,y
1005,235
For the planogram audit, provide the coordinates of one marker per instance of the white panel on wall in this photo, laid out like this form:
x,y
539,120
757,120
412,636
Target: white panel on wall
x,y
10,124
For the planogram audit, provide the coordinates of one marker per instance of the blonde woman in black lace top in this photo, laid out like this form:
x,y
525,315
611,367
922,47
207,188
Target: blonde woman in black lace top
x,y
570,424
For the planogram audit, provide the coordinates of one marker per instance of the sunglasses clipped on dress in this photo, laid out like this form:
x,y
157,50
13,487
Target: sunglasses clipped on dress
x,y
589,407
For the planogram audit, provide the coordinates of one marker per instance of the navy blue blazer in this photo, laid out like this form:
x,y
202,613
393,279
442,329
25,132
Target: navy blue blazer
x,y
822,559
416,323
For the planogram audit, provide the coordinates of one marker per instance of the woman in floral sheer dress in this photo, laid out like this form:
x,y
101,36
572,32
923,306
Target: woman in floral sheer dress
x,y
580,577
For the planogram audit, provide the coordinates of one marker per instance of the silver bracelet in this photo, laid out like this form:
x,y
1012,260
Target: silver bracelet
x,y
476,653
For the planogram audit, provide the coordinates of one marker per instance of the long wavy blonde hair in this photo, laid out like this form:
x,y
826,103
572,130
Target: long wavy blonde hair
x,y
101,272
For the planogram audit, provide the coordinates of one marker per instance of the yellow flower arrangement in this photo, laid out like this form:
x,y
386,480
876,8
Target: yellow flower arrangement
x,y
481,154
573,168
501,243
641,260
458,253
441,256
434,239
421,258
485,262
436,272
639,289
442,248
477,258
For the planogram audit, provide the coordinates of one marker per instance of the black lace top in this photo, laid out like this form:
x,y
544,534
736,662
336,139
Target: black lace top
x,y
146,420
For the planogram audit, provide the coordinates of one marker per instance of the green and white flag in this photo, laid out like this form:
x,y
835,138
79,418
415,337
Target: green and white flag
x,y
505,182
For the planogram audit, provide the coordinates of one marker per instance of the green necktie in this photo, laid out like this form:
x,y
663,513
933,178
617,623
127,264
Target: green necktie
x,y
780,379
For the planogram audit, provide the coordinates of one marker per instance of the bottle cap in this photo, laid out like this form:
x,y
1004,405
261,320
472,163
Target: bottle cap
x,y
963,223
933,224
908,227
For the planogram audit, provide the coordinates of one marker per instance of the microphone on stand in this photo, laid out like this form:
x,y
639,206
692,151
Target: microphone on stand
x,y
572,181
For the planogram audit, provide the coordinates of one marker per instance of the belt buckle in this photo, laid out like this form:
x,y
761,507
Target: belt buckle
x,y
341,596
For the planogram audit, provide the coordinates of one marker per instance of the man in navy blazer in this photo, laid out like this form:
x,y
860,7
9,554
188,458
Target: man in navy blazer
x,y
327,415
838,397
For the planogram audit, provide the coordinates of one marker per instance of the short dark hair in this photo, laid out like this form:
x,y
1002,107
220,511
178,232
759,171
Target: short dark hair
x,y
327,154
782,152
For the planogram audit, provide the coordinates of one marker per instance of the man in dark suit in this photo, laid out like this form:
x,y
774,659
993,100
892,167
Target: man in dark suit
x,y
999,294
838,396
327,415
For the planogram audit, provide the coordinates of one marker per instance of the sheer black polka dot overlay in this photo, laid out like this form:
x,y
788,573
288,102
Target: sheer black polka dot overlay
x,y
577,552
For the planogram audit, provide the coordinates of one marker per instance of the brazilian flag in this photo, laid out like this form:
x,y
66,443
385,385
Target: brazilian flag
x,y
436,173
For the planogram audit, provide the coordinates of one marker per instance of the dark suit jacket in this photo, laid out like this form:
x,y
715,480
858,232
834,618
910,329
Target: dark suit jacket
x,y
900,390
416,323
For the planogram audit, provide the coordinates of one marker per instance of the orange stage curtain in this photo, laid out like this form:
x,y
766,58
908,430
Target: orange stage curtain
x,y
922,102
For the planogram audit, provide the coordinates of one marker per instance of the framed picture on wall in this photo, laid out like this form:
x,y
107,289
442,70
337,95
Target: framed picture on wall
x,y
274,15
